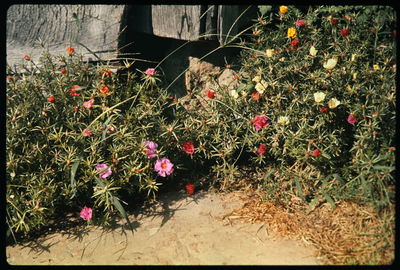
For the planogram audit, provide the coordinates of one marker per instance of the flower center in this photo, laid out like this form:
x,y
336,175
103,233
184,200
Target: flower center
x,y
163,165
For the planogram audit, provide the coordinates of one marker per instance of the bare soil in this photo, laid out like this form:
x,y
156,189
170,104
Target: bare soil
x,y
179,230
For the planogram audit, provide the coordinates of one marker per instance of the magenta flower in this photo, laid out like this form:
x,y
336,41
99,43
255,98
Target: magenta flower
x,y
150,71
261,149
88,104
351,119
164,167
151,149
86,213
260,121
105,170
300,23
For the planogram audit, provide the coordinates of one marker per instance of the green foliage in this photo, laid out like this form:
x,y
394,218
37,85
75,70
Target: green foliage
x,y
51,164
354,159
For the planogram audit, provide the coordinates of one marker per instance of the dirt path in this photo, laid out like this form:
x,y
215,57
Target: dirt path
x,y
184,230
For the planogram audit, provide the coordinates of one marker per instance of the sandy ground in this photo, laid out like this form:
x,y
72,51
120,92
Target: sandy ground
x,y
183,230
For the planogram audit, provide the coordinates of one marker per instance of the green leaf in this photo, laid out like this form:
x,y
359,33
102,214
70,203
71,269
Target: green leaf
x,y
296,180
74,168
330,201
264,9
121,210
311,205
103,135
381,167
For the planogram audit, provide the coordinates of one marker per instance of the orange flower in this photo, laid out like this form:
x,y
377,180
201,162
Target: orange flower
x,y
104,90
27,57
63,71
283,9
256,95
51,99
70,51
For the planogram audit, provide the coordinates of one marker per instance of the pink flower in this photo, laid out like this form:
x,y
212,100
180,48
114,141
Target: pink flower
x,y
316,152
260,121
164,167
351,119
87,133
188,147
86,213
151,149
88,104
106,171
261,149
300,23
150,71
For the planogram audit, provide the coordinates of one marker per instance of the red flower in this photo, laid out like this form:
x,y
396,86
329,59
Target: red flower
x,y
188,147
107,73
255,95
334,21
261,149
70,51
345,32
63,71
351,119
104,90
27,57
73,92
260,121
76,108
294,44
210,94
323,110
51,99
300,23
189,189
10,78
316,152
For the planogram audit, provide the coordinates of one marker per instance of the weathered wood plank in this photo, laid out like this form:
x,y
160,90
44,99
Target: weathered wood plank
x,y
97,27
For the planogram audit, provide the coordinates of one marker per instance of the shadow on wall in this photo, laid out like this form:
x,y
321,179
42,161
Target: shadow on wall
x,y
148,47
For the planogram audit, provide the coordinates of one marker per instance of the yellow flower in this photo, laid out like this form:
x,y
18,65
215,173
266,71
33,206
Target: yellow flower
x,y
291,32
270,52
244,93
283,9
283,120
234,94
353,57
260,88
319,97
354,76
333,103
376,67
331,63
256,79
282,59
313,51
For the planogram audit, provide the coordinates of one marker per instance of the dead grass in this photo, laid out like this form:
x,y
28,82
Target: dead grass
x,y
352,233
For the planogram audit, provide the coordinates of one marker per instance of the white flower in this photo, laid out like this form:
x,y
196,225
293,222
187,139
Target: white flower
x,y
270,52
260,87
283,120
319,96
333,103
331,63
313,51
234,94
